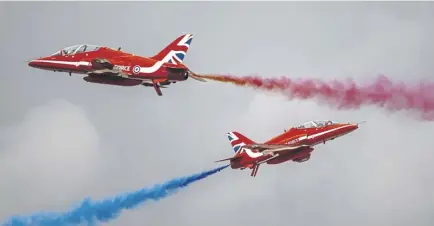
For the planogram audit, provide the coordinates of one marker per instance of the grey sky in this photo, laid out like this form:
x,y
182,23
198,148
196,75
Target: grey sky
x,y
63,139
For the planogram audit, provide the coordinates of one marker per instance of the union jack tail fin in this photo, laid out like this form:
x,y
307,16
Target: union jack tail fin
x,y
175,52
238,140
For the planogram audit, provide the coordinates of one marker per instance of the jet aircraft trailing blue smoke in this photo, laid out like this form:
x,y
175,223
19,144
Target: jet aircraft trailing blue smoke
x,y
91,213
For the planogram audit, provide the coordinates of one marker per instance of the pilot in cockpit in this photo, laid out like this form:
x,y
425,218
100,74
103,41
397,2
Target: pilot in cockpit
x,y
67,52
72,50
321,123
324,123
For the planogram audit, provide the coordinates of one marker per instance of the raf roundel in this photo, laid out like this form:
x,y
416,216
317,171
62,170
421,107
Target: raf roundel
x,y
136,69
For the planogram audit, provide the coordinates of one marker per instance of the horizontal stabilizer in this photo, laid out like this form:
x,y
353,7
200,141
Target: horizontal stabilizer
x,y
233,158
196,76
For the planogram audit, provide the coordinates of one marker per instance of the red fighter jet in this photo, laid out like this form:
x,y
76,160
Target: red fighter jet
x,y
114,67
296,144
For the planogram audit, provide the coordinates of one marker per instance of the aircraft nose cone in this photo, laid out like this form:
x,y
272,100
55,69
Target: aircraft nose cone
x,y
35,64
353,127
32,63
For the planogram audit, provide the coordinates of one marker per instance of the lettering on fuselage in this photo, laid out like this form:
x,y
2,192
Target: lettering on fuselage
x,y
304,137
122,67
293,141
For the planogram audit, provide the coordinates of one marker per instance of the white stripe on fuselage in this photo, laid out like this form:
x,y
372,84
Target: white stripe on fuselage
x,y
248,151
158,64
73,63
328,131
251,153
146,70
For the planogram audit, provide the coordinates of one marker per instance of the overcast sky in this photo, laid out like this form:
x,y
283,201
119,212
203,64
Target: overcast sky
x,y
62,139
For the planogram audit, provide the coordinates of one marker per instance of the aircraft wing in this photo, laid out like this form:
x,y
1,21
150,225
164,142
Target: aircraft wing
x,y
274,148
196,77
104,66
101,63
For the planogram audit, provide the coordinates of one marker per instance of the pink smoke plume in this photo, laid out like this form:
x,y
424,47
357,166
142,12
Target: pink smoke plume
x,y
382,92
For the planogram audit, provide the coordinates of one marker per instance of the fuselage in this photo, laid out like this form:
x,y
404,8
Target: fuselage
x,y
313,136
94,61
301,135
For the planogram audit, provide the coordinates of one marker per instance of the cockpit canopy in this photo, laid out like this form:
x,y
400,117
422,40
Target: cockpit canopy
x,y
315,124
72,50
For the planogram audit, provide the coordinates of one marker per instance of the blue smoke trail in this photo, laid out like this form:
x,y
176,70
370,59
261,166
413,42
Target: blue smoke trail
x,y
103,211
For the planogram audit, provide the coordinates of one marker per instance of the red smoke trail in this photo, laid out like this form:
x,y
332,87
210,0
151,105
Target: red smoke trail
x,y
382,92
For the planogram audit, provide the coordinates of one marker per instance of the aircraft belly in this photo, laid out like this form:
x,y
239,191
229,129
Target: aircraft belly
x,y
111,80
150,76
162,74
280,159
